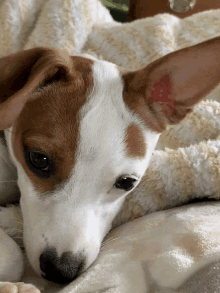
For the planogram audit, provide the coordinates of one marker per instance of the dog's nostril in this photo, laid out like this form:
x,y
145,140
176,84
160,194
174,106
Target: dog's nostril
x,y
60,270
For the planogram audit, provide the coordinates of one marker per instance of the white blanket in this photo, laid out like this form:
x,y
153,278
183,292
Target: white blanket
x,y
170,251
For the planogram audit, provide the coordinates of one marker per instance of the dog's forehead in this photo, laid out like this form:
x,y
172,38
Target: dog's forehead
x,y
86,120
107,125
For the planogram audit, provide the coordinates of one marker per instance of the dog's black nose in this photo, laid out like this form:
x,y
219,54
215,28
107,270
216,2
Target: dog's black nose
x,y
60,270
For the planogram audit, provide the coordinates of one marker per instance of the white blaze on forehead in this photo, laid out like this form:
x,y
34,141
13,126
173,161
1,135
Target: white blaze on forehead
x,y
102,123
104,118
101,151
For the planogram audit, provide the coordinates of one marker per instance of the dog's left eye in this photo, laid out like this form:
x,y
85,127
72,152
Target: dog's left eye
x,y
126,183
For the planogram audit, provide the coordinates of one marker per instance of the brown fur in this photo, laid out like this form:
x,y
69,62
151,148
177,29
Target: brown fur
x,y
135,142
49,119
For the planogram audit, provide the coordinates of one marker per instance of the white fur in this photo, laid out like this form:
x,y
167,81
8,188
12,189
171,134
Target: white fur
x,y
78,217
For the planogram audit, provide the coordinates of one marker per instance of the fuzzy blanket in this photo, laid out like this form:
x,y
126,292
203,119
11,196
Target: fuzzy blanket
x,y
168,251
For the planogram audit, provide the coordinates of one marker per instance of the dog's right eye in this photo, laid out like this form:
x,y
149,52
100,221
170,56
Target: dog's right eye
x,y
39,163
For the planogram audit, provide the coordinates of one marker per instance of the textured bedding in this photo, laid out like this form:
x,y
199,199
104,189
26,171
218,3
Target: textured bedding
x,y
174,250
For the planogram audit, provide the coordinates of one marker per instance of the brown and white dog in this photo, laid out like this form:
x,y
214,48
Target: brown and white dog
x,y
81,133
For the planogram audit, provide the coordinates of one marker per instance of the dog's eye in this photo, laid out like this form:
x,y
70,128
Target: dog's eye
x,y
125,182
39,163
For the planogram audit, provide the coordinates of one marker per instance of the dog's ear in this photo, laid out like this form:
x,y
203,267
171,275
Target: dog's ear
x,y
22,72
166,90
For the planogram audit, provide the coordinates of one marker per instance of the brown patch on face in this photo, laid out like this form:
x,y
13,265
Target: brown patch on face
x,y
50,121
135,142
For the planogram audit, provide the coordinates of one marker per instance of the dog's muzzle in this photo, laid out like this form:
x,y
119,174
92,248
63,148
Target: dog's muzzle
x,y
62,269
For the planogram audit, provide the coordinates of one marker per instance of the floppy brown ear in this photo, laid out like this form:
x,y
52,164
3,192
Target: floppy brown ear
x,y
166,90
21,73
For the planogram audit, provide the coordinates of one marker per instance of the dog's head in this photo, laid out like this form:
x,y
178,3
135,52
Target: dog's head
x,y
81,133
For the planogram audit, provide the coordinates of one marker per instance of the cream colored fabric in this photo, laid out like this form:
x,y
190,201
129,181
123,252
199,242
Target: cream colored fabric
x,y
159,252
172,251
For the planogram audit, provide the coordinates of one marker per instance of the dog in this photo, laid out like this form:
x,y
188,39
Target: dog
x,y
80,133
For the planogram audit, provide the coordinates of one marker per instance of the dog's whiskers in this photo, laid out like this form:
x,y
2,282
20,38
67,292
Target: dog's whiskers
x,y
102,252
19,221
107,242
